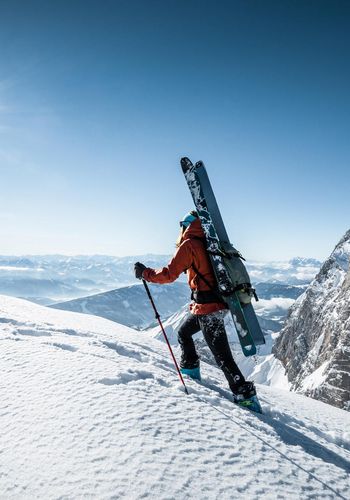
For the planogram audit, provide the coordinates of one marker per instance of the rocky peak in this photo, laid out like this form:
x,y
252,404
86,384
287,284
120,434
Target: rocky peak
x,y
314,344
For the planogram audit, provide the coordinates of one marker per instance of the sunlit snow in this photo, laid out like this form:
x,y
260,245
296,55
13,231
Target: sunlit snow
x,y
93,409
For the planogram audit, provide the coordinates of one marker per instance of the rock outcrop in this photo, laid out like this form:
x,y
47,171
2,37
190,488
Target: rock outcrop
x,y
314,344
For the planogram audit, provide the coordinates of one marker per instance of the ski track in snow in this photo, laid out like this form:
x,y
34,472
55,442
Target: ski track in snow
x,y
92,409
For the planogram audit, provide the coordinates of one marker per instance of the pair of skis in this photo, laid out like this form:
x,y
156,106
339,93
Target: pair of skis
x,y
231,275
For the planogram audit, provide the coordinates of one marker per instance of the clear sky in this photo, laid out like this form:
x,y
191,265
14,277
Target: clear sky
x,y
100,99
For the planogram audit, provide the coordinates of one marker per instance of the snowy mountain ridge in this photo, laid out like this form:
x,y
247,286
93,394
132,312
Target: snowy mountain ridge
x,y
130,305
92,408
314,344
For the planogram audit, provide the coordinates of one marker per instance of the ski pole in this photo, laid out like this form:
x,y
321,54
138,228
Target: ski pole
x,y
165,335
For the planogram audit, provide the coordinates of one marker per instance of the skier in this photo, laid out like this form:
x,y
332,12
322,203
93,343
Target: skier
x,y
207,309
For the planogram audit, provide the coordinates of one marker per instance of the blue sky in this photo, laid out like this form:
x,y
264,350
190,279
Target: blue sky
x,y
99,100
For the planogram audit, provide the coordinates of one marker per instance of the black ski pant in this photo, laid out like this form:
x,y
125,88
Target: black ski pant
x,y
213,328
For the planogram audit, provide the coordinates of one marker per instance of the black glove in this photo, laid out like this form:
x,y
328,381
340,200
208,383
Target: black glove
x,y
139,268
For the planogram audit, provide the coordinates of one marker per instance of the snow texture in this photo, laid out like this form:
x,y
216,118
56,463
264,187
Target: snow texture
x,y
92,409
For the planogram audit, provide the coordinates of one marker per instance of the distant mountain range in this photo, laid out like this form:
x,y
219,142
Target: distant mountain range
x,y
52,278
297,271
103,285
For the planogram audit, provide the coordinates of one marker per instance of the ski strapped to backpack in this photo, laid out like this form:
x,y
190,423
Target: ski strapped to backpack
x,y
233,282
213,293
246,290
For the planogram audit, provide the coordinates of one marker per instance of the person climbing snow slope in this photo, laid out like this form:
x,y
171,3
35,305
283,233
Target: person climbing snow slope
x,y
207,309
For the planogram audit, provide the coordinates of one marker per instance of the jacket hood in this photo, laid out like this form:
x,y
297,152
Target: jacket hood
x,y
194,230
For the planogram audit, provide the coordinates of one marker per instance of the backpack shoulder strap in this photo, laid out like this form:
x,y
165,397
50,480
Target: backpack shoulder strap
x,y
214,290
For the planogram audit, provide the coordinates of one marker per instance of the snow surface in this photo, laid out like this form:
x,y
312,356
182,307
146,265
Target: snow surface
x,y
92,409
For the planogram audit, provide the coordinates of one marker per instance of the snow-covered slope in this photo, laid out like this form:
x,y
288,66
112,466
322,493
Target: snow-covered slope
x,y
92,409
314,345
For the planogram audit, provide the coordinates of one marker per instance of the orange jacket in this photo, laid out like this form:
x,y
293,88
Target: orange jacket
x,y
191,251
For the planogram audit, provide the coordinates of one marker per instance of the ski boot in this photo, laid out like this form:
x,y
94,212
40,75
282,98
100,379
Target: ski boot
x,y
193,372
245,396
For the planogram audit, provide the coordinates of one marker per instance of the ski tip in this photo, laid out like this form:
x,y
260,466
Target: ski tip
x,y
199,164
186,164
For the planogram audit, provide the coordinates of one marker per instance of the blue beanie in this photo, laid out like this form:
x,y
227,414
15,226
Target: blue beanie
x,y
188,218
